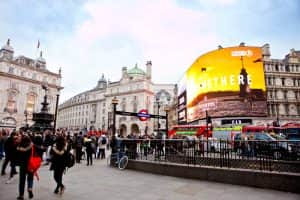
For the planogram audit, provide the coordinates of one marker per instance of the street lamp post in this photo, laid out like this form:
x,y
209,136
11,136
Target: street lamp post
x,y
55,115
167,121
158,107
114,103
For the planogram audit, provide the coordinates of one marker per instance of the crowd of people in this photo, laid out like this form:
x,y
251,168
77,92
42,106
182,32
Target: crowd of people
x,y
17,148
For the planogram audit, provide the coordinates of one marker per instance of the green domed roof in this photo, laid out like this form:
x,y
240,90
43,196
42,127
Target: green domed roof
x,y
136,71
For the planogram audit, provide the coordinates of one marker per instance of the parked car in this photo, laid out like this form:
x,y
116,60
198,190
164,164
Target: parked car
x,y
262,144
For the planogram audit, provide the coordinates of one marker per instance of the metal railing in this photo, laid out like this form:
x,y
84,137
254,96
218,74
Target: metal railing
x,y
282,156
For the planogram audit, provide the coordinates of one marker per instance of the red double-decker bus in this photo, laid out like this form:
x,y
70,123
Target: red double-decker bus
x,y
190,130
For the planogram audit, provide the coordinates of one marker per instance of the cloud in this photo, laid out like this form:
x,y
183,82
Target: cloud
x,y
169,35
88,38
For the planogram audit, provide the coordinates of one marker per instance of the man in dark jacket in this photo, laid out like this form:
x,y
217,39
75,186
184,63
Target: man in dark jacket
x,y
10,154
78,147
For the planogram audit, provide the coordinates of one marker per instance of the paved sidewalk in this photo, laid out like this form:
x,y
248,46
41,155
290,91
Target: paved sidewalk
x,y
102,182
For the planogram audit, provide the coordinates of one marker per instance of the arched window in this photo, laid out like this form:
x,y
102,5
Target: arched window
x,y
31,98
11,106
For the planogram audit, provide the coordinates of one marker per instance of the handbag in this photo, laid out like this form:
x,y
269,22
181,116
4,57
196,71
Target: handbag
x,y
34,163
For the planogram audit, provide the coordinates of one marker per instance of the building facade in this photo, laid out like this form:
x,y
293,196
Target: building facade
x,y
282,77
135,91
21,79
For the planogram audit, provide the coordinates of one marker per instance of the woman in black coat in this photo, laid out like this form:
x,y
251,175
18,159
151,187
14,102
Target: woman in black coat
x,y
24,151
58,155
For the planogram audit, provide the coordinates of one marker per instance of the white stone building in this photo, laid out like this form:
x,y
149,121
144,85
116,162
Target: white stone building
x,y
134,91
21,79
282,77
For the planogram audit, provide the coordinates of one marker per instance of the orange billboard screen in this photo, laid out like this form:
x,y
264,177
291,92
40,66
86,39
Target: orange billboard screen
x,y
226,82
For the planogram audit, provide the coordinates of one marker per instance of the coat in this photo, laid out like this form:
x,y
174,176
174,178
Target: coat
x,y
58,159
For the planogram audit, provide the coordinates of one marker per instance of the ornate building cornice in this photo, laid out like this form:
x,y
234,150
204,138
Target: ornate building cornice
x,y
29,80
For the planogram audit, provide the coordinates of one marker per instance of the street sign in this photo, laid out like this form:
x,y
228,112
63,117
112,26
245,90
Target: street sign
x,y
139,114
143,115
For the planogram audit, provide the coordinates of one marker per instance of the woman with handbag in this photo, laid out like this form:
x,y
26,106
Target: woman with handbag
x,y
58,155
25,151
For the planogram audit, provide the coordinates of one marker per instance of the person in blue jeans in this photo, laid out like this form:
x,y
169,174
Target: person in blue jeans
x,y
24,151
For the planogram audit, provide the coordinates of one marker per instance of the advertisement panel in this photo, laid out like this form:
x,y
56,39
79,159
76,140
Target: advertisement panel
x,y
226,82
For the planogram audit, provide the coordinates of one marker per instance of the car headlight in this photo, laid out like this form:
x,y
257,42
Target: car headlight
x,y
289,148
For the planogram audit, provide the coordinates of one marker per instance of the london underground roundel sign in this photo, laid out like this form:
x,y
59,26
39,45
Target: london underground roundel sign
x,y
143,115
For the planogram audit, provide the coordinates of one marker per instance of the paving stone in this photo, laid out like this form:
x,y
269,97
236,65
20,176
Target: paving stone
x,y
102,182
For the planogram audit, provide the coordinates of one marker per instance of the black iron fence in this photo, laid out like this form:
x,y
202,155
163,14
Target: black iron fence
x,y
283,155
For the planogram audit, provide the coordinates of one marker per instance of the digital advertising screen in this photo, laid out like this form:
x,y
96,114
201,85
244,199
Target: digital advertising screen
x,y
228,82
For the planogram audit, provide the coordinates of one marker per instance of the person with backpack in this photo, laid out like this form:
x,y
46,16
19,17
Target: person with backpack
x,y
102,142
59,161
90,149
25,150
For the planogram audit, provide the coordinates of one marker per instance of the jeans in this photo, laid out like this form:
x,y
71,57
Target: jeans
x,y
23,174
102,153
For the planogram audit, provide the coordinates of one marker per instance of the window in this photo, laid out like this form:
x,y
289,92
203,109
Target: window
x,y
276,67
11,106
134,107
23,73
285,94
282,81
271,94
287,68
123,106
30,103
45,79
11,70
269,81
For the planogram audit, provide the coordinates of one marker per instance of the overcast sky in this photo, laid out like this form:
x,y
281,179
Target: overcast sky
x,y
88,38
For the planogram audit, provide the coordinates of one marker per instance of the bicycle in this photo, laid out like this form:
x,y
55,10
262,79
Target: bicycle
x,y
118,159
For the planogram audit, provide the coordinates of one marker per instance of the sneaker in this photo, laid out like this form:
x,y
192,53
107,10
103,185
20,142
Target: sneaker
x,y
9,181
30,194
20,198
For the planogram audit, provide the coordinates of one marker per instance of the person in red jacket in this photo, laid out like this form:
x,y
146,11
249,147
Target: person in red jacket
x,y
24,151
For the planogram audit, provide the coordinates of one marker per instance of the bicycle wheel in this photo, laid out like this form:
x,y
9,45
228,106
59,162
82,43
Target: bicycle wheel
x,y
108,160
123,162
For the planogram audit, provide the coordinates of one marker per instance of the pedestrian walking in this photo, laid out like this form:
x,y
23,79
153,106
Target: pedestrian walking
x,y
58,163
78,147
90,149
10,146
25,150
102,142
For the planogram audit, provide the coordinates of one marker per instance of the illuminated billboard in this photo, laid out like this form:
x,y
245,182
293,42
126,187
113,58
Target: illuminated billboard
x,y
228,82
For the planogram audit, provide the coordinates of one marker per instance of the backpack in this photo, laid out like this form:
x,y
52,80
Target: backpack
x,y
70,160
103,141
34,163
